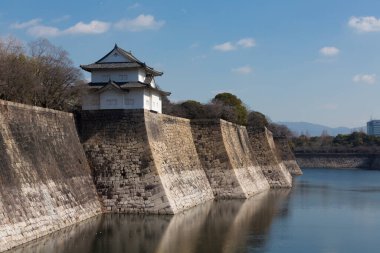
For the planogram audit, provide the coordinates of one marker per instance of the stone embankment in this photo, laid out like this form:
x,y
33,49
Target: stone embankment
x,y
285,154
264,150
227,158
338,160
45,180
143,162
140,162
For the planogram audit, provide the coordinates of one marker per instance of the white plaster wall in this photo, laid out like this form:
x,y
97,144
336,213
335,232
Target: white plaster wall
x,y
153,83
115,99
134,99
147,100
152,101
115,75
142,75
156,102
111,99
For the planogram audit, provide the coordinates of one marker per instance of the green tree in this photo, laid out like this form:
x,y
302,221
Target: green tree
x,y
230,101
257,121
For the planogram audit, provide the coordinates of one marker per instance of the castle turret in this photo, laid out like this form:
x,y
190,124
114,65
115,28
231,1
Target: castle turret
x,y
120,81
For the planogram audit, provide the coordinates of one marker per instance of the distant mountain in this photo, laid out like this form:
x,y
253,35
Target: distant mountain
x,y
316,129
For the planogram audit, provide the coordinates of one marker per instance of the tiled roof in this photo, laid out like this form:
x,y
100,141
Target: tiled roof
x,y
132,63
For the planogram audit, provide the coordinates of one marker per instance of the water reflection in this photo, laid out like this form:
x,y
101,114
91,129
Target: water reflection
x,y
216,226
254,219
327,211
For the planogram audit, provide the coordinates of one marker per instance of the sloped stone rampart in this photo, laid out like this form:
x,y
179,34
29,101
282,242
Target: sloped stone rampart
x,y
45,180
264,150
227,159
286,155
143,162
177,161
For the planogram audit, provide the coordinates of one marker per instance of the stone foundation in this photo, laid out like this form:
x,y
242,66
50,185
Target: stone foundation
x,y
264,150
45,180
285,154
227,159
143,162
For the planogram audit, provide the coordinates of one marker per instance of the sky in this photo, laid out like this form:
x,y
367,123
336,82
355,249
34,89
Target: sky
x,y
294,60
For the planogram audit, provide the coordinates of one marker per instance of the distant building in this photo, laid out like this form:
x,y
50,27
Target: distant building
x,y
373,127
120,81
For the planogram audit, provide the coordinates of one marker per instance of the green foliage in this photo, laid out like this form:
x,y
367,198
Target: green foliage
x,y
193,109
257,121
237,106
342,143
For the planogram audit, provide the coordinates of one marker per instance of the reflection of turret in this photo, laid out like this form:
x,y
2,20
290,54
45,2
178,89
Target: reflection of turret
x,y
184,230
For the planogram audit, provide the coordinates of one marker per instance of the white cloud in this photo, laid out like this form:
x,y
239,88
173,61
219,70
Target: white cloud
x,y
94,27
44,31
230,46
365,24
23,25
140,23
246,43
365,78
243,70
329,51
225,47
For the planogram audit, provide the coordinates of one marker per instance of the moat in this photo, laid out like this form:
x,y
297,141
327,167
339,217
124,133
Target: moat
x,y
328,210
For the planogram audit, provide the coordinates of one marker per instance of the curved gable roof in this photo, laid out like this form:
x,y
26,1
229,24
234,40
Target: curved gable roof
x,y
130,62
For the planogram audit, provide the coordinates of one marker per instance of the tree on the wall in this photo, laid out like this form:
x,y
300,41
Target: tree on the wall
x,y
38,74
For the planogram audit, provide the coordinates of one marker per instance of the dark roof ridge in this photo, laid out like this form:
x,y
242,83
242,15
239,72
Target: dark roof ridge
x,y
123,52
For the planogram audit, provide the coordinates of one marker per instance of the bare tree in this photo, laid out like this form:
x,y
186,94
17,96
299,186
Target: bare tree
x,y
45,76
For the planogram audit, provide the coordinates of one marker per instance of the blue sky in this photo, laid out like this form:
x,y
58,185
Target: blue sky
x,y
295,60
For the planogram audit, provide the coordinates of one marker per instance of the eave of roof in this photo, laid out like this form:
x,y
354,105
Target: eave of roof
x,y
124,86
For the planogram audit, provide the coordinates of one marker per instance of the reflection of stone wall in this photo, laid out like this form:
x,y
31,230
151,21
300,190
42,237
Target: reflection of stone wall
x,y
264,151
143,162
255,217
45,180
226,156
286,155
184,230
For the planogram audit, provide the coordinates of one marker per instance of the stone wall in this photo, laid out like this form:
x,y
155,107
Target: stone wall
x,y
227,159
45,180
176,160
285,154
329,160
143,162
264,150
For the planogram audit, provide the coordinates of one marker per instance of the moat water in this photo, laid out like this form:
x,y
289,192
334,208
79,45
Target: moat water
x,y
328,211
